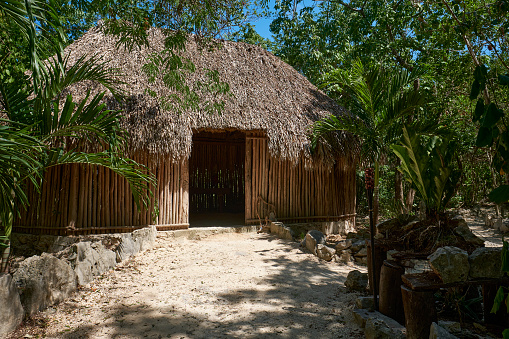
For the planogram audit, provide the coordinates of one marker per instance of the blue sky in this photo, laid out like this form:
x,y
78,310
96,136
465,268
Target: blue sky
x,y
262,26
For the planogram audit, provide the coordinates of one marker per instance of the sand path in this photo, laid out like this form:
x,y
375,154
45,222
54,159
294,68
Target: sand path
x,y
224,286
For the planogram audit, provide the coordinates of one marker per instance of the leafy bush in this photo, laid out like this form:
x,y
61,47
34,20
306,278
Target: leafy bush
x,y
429,165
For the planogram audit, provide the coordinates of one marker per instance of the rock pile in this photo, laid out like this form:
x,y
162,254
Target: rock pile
x,y
453,264
408,233
350,250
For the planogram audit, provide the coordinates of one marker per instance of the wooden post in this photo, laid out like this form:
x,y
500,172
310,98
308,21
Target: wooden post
x,y
420,312
170,193
248,179
185,188
73,196
181,192
380,256
391,302
100,193
83,210
107,198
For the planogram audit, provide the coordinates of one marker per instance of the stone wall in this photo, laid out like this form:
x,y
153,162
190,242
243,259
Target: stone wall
x,y
299,230
58,265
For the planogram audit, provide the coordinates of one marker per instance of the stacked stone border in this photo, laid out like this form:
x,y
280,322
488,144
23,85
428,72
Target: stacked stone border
x,y
64,263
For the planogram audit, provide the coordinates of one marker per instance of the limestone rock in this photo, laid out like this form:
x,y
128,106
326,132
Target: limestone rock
x,y
362,253
464,231
438,332
450,326
10,305
282,231
388,226
364,302
314,238
324,252
357,281
351,235
126,248
345,256
450,263
145,238
44,281
504,228
485,262
91,260
343,245
377,328
361,260
357,246
497,224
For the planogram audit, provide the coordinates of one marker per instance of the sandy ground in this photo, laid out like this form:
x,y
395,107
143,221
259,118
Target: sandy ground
x,y
223,286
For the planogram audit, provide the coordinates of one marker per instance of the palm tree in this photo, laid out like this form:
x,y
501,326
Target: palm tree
x,y
43,129
378,98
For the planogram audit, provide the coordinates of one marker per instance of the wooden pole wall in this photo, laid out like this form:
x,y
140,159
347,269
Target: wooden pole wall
x,y
299,194
93,199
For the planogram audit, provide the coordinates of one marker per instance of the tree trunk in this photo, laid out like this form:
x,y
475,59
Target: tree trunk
x,y
409,200
398,190
376,203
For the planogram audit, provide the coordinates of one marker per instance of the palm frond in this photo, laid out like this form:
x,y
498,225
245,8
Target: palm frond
x,y
19,154
28,16
89,120
92,68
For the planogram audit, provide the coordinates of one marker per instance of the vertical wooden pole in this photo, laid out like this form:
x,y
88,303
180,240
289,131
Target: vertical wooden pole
x,y
100,196
94,204
185,188
81,195
174,190
128,205
248,178
73,196
114,199
42,201
160,190
254,179
84,200
107,197
169,192
136,212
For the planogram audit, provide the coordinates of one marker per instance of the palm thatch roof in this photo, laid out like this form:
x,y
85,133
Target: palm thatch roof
x,y
266,94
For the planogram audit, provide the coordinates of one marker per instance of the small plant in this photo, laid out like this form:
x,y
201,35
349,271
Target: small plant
x,y
429,165
460,302
502,295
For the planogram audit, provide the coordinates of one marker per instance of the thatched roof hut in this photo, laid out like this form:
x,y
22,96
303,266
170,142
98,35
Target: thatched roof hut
x,y
252,157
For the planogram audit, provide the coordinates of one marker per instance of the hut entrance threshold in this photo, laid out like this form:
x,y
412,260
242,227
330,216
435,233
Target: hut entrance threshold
x,y
216,179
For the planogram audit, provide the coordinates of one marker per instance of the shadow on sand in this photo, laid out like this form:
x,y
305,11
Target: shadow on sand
x,y
308,300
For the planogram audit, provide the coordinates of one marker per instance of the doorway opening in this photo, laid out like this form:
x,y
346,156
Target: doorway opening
x,y
216,179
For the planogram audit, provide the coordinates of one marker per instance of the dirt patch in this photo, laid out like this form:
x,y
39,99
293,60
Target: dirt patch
x,y
223,286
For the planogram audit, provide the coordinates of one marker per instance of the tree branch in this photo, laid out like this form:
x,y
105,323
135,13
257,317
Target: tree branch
x,y
398,57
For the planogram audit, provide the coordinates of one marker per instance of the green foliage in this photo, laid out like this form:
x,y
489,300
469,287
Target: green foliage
x,y
502,296
41,131
248,35
493,130
378,98
429,165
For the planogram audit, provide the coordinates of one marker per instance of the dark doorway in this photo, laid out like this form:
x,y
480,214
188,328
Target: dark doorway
x,y
216,179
